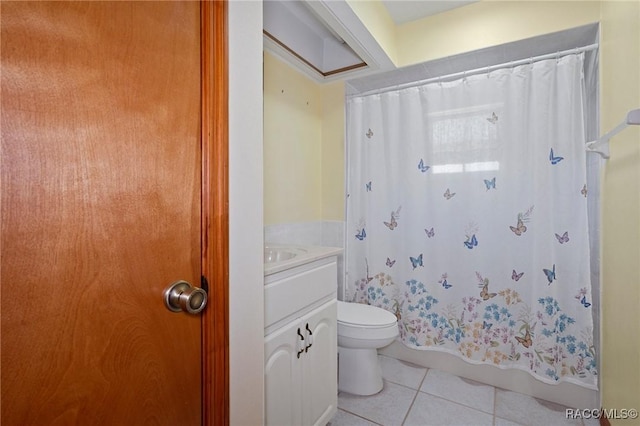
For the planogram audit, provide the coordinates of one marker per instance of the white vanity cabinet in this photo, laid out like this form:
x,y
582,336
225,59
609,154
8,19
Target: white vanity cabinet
x,y
301,345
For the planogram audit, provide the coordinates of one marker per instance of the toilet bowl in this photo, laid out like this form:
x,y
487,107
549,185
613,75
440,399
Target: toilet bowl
x,y
362,329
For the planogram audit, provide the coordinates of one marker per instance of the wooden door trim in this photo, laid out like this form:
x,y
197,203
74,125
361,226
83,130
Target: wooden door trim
x,y
215,211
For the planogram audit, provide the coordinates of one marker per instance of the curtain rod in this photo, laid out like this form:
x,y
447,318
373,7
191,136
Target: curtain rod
x,y
477,71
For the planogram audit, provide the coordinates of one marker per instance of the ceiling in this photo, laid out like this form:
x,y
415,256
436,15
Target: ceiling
x,y
327,41
292,27
403,11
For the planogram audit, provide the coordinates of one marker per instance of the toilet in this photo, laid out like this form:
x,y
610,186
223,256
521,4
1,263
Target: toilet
x,y
362,329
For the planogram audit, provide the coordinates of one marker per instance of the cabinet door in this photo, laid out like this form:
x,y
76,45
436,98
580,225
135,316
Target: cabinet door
x,y
320,372
283,387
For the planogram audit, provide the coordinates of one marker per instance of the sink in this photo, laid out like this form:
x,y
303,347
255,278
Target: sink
x,y
280,257
278,254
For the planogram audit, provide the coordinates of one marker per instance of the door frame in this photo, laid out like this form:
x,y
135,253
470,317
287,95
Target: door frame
x,y
215,210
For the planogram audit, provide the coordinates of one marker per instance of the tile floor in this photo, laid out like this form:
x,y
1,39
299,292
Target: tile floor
x,y
414,395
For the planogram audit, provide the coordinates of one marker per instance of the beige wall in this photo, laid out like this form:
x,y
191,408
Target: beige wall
x,y
333,130
303,146
292,144
620,92
490,23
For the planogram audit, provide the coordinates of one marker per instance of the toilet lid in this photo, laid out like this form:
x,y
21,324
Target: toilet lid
x,y
360,314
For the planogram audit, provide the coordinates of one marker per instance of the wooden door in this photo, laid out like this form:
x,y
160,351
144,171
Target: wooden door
x,y
101,210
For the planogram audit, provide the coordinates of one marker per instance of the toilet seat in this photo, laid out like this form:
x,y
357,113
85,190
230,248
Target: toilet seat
x,y
364,316
360,323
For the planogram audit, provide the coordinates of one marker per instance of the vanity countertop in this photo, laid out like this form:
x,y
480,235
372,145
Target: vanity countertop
x,y
276,256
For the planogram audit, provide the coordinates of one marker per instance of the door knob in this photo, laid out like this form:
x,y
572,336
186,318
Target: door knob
x,y
182,296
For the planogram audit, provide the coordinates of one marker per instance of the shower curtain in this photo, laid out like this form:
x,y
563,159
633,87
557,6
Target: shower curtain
x,y
467,217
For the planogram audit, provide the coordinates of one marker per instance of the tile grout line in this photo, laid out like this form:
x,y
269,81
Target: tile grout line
x,y
448,399
495,404
417,390
415,396
361,417
492,413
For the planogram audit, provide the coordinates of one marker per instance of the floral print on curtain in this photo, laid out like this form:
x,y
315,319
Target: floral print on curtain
x,y
467,217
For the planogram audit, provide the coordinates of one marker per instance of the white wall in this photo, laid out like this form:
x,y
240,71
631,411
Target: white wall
x,y
246,303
